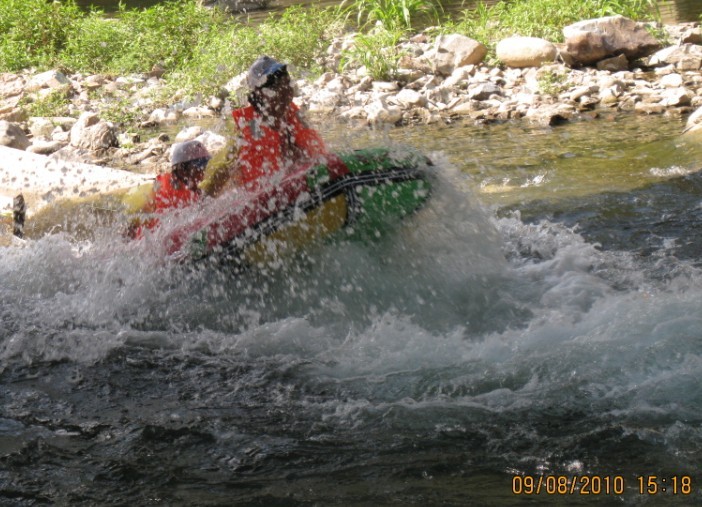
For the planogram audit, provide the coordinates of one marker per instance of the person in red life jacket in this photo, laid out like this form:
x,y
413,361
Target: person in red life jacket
x,y
173,190
272,135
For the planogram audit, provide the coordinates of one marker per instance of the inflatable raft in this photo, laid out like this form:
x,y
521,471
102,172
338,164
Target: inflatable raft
x,y
355,195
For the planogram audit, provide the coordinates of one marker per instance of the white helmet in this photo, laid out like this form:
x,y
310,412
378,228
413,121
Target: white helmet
x,y
187,151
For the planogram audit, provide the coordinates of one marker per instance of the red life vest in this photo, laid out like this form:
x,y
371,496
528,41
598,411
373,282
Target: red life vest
x,y
165,197
262,151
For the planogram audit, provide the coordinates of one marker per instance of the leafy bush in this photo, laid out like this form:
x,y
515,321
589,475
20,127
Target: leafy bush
x,y
393,14
298,37
134,40
34,31
377,51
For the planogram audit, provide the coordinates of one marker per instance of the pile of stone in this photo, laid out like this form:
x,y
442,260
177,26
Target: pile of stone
x,y
612,63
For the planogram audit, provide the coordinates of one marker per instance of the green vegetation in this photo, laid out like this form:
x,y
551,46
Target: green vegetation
x,y
552,83
299,37
54,103
393,15
377,50
34,31
542,18
201,49
134,40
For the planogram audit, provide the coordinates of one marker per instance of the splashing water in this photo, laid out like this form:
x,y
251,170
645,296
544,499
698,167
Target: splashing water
x,y
447,355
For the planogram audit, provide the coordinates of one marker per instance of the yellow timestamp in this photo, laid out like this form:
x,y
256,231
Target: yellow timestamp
x,y
674,484
599,485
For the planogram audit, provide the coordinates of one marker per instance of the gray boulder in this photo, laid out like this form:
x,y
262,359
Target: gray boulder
x,y
91,133
684,57
12,136
453,51
590,41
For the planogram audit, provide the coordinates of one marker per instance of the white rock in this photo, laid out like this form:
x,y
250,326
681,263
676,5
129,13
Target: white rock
x,y
159,116
677,97
189,133
199,112
526,51
459,77
683,57
41,127
213,142
453,51
49,79
379,112
410,98
324,101
384,86
672,81
45,147
91,133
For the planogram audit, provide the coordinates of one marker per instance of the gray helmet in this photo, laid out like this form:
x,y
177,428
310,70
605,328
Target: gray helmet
x,y
187,151
262,69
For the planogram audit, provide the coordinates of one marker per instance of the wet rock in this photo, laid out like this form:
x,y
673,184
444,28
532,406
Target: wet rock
x,y
646,108
453,51
590,41
93,134
550,115
526,51
12,136
683,57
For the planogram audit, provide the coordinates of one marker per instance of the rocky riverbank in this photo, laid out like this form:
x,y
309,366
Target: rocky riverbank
x,y
605,64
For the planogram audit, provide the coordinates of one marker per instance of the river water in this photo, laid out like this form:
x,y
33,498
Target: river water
x,y
540,317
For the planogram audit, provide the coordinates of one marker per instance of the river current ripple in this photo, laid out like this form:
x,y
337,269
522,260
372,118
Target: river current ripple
x,y
428,367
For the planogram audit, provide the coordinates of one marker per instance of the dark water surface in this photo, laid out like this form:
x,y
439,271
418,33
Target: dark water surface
x,y
540,316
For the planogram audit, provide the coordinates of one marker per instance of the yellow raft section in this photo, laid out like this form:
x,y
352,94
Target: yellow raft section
x,y
314,225
80,217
